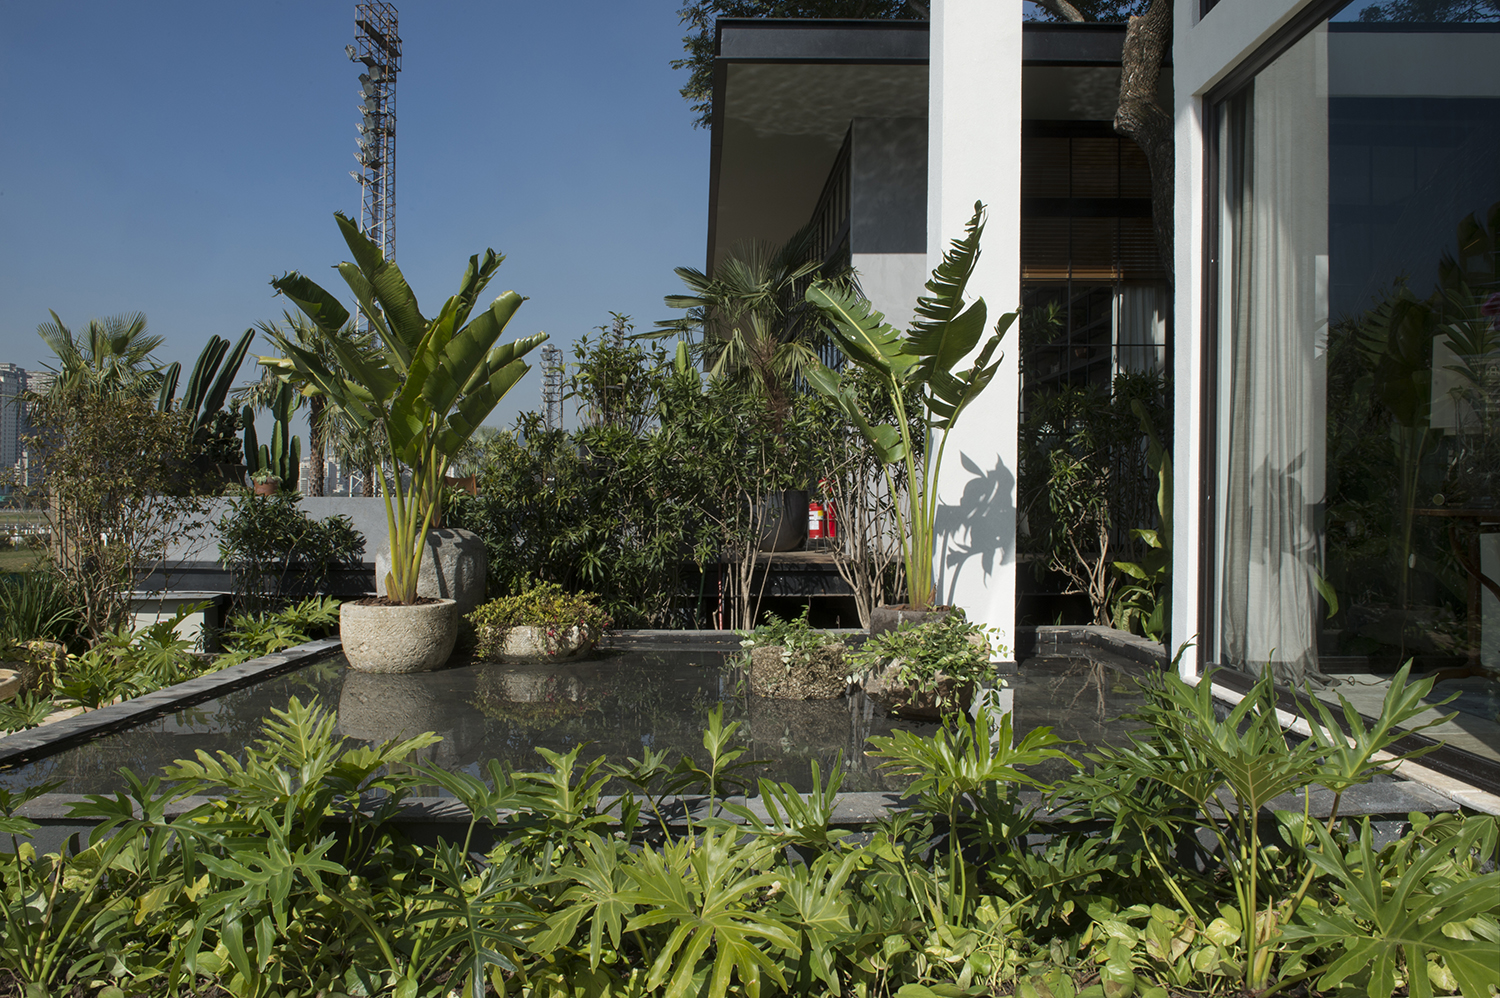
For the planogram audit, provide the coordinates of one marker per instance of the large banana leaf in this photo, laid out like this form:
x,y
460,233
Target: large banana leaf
x,y
431,385
861,332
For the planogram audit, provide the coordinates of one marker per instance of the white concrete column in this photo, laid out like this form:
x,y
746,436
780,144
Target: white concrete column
x,y
974,154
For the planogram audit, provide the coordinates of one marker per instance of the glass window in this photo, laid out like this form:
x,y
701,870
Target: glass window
x,y
1357,324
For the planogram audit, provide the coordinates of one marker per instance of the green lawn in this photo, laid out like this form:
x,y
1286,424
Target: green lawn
x,y
19,559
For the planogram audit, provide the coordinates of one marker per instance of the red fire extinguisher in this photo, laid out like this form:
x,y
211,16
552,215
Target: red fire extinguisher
x,y
815,520
828,527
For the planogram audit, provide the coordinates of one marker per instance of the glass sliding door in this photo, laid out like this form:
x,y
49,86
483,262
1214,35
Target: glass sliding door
x,y
1356,323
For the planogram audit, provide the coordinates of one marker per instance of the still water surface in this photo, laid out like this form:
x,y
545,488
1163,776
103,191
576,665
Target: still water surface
x,y
619,703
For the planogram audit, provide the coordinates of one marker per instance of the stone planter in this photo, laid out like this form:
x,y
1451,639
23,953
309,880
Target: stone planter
x,y
887,618
822,677
29,663
375,708
396,638
915,705
784,523
453,567
530,644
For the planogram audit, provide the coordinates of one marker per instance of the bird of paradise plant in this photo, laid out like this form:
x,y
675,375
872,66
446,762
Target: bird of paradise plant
x,y
429,385
919,365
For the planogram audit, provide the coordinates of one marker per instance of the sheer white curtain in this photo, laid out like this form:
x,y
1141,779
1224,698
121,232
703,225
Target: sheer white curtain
x,y
1140,315
1273,328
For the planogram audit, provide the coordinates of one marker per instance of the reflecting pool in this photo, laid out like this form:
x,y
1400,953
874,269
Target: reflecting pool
x,y
619,704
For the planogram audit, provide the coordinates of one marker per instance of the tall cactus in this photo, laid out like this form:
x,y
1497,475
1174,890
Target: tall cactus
x,y
282,457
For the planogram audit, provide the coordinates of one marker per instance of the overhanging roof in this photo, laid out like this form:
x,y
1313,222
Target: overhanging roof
x,y
785,92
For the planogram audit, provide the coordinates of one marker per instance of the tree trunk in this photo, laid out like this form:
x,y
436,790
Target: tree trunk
x,y
1148,39
317,436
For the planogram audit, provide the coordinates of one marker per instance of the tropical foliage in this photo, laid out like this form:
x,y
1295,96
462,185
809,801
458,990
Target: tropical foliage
x,y
922,361
281,871
431,384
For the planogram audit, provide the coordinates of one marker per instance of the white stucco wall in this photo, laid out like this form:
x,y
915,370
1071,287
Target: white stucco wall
x,y
892,282
974,154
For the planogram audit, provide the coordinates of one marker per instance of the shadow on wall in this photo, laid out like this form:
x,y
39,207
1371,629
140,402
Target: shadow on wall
x,y
978,527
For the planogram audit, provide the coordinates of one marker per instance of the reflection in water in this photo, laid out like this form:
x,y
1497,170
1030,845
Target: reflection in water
x,y
618,705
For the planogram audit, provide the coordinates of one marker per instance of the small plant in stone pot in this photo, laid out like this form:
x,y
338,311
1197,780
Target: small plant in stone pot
x,y
541,622
790,660
927,670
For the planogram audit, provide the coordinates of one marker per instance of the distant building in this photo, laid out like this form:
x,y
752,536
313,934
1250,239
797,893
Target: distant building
x,y
13,424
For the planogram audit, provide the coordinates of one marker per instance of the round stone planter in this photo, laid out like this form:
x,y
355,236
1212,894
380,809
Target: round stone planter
x,y
374,708
784,521
396,638
887,618
822,677
453,567
530,644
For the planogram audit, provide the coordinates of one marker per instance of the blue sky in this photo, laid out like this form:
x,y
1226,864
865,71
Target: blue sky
x,y
171,157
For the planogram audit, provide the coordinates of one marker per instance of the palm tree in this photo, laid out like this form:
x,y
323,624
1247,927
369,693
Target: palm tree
x,y
114,355
322,431
753,321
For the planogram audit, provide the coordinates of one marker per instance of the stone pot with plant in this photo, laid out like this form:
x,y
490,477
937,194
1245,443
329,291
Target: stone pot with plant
x,y
542,622
924,671
265,482
915,367
427,383
789,660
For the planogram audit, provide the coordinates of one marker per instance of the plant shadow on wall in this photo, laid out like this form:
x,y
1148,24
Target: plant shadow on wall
x,y
1414,457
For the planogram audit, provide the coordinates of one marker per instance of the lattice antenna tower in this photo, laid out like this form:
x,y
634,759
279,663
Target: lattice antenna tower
x,y
377,44
552,387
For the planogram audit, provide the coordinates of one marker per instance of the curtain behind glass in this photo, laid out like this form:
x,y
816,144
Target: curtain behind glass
x,y
1274,183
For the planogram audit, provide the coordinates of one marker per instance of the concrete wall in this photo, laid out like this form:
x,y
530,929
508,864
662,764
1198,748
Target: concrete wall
x,y
201,544
888,212
974,154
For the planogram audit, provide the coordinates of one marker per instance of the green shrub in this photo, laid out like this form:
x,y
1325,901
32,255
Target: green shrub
x,y
543,605
798,640
36,607
950,646
276,552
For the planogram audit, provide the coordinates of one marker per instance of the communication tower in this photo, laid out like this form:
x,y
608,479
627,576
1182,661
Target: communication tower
x,y
377,45
552,386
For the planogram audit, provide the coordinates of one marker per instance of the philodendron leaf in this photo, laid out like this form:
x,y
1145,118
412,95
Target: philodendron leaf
x,y
1391,915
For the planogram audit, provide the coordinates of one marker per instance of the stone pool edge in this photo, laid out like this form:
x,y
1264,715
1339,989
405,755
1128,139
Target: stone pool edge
x,y
36,743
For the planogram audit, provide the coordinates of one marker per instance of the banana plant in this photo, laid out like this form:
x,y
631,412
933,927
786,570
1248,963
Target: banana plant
x,y
431,383
919,365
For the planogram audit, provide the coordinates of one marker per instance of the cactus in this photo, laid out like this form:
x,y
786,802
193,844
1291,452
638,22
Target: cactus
x,y
282,457
207,389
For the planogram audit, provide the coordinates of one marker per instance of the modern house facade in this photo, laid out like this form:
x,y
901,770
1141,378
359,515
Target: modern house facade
x,y
1330,321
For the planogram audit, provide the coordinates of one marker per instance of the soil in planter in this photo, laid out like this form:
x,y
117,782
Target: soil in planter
x,y
820,676
387,601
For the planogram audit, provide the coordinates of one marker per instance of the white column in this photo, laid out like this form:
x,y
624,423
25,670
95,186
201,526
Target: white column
x,y
974,154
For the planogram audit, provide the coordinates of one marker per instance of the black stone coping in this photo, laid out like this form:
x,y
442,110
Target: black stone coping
x,y
704,640
1121,647
424,820
36,743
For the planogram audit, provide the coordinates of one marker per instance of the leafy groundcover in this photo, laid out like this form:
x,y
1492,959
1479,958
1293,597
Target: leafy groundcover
x,y
1160,871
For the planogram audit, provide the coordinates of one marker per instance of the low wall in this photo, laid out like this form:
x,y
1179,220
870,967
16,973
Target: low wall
x,y
199,545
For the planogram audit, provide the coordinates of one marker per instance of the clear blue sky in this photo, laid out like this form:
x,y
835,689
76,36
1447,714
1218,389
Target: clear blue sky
x,y
171,157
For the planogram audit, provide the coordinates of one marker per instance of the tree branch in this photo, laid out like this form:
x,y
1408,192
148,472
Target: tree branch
x,y
1061,9
1148,39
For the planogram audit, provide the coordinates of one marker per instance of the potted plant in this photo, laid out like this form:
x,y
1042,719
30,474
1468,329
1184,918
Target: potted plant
x,y
423,389
916,365
265,482
923,671
541,622
789,660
